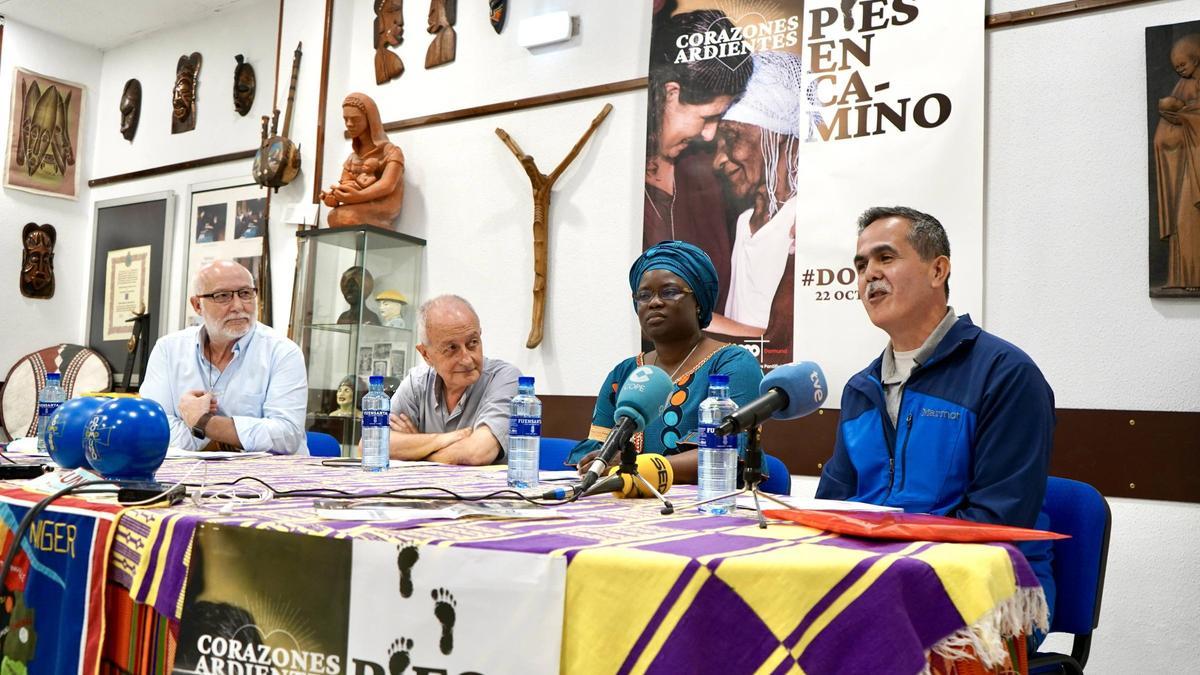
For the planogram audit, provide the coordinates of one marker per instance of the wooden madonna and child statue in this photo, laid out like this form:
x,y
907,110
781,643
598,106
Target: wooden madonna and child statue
x,y
371,188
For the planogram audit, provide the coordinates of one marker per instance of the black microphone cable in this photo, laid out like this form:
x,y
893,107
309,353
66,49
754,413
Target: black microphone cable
x,y
395,493
37,509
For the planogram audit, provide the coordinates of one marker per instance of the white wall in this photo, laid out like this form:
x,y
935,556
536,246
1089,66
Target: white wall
x,y
1067,278
469,198
249,31
30,324
1067,212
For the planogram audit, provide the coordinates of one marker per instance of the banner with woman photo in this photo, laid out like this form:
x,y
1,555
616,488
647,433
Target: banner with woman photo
x,y
772,124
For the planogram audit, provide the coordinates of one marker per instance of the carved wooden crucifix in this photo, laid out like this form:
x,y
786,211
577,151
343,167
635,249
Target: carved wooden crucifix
x,y
542,185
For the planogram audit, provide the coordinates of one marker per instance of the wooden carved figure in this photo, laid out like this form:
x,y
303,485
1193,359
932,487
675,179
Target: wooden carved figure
x,y
1177,164
442,16
37,261
371,188
183,96
497,13
244,85
131,108
542,185
389,32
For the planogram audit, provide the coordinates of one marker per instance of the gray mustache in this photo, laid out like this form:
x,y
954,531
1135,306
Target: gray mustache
x,y
878,285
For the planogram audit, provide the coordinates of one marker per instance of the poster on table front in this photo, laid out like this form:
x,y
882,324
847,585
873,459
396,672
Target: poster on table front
x,y
322,606
855,105
52,601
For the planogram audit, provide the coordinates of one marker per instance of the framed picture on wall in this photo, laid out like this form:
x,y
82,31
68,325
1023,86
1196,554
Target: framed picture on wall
x,y
227,220
43,135
1173,113
130,272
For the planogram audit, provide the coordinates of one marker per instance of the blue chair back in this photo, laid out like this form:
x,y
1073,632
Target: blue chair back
x,y
323,445
779,480
1079,510
554,453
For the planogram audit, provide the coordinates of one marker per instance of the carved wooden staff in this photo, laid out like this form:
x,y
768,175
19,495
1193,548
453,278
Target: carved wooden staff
x,y
542,184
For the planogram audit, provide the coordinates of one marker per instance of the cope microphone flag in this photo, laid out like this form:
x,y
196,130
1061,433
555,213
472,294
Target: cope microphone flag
x,y
788,392
642,398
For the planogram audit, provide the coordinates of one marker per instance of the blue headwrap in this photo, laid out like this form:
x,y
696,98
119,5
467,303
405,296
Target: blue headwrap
x,y
685,261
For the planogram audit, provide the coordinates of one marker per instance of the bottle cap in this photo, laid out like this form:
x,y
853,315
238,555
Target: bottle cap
x,y
717,380
53,377
376,380
524,381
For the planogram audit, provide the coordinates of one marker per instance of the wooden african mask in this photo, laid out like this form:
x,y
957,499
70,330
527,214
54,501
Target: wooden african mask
x,y
131,108
389,32
37,261
443,15
243,86
183,96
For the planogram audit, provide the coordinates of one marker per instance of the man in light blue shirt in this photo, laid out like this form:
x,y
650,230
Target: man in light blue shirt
x,y
232,383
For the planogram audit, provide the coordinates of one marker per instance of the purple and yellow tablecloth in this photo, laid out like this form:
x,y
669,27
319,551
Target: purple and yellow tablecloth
x,y
653,593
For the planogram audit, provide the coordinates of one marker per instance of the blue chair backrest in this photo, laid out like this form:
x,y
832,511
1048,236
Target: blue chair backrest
x,y
554,452
323,445
1079,510
779,481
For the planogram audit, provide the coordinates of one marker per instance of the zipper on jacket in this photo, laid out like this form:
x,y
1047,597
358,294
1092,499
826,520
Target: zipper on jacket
x,y
904,448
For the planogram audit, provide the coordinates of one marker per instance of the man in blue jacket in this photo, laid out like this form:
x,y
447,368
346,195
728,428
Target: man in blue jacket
x,y
950,419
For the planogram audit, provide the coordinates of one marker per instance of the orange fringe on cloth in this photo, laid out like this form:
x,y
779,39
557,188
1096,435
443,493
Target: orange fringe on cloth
x,y
938,665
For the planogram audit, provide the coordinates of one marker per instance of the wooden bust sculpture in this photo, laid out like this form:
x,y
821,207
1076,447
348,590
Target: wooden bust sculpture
x,y
371,188
356,284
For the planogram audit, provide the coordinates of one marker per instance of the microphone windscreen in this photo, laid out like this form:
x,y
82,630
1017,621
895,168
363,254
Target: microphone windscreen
x,y
643,396
656,470
804,384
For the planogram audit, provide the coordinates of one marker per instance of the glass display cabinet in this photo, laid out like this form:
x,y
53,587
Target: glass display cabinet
x,y
354,315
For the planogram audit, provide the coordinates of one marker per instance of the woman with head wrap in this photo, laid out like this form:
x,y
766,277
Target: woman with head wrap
x,y
674,287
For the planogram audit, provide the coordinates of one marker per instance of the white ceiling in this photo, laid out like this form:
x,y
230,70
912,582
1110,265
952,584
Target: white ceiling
x,y
105,24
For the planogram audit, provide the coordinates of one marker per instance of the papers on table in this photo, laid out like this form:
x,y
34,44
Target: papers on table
x,y
394,511
25,446
58,480
746,501
178,453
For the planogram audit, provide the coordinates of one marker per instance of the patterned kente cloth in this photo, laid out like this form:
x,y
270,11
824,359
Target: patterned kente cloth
x,y
647,592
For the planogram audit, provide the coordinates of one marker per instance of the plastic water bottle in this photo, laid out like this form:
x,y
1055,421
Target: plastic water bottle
x,y
524,436
51,396
375,431
718,454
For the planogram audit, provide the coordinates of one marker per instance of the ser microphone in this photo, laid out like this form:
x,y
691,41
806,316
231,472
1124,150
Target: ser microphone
x,y
654,468
788,392
642,398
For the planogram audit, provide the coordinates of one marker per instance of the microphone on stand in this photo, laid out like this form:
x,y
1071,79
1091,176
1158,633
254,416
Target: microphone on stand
x,y
641,399
654,468
788,392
